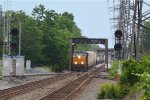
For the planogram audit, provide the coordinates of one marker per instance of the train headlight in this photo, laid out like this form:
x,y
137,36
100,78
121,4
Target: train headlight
x,y
79,57
75,62
82,62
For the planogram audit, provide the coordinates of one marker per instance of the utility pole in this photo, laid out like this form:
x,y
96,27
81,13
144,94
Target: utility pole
x,y
19,38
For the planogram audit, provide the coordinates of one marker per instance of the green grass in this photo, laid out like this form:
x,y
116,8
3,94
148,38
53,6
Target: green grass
x,y
49,69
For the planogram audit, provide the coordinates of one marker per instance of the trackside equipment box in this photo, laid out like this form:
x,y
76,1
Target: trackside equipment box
x,y
13,65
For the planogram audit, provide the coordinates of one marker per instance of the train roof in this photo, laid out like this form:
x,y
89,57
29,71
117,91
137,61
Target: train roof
x,y
90,51
80,52
85,52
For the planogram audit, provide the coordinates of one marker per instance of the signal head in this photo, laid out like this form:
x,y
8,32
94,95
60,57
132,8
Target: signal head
x,y
13,46
14,32
117,47
118,34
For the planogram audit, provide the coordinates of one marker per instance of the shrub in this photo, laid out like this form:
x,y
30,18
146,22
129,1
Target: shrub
x,y
129,69
113,71
57,68
48,68
145,61
110,91
145,85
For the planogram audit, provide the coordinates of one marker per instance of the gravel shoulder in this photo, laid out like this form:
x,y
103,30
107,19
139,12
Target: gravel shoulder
x,y
29,76
90,93
5,83
41,91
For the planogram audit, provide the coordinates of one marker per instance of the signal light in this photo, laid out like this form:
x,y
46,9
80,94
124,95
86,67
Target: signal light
x,y
14,39
13,46
118,47
118,43
118,34
14,32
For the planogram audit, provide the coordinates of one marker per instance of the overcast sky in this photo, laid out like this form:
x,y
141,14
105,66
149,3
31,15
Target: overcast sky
x,y
91,16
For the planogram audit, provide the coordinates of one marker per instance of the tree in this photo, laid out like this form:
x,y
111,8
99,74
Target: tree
x,y
45,36
147,38
31,44
56,32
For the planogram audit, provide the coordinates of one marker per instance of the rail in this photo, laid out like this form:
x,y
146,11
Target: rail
x,y
21,89
67,90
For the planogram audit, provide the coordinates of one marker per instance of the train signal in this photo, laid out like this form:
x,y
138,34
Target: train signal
x,y
118,39
118,47
14,44
118,43
14,38
118,34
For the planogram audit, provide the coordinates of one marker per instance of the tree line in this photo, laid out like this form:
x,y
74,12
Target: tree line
x,y
45,36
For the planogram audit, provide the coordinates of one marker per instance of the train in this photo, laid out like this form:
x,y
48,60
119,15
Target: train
x,y
82,60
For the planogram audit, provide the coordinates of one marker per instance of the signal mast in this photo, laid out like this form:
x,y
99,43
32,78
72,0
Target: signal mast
x,y
6,27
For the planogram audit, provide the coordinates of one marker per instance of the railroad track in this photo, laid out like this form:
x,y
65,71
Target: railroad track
x,y
69,89
21,89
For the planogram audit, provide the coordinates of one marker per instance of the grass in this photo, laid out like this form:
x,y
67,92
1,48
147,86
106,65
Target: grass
x,y
49,69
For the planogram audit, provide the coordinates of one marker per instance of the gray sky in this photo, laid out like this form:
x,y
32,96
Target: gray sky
x,y
91,16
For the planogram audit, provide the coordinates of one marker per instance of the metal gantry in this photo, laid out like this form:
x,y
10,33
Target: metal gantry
x,y
74,41
128,16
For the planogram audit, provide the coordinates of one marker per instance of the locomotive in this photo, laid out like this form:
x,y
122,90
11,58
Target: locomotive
x,y
83,60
